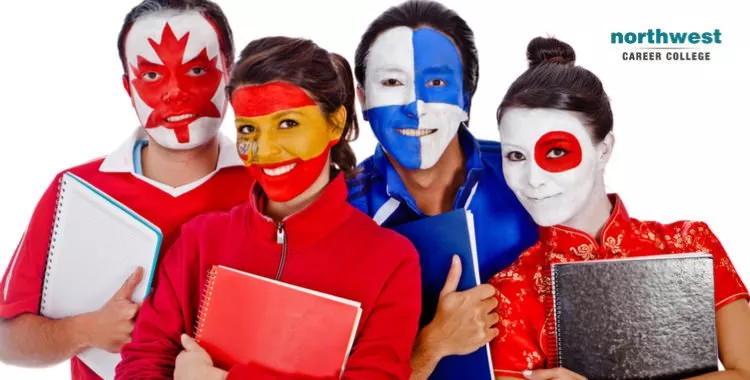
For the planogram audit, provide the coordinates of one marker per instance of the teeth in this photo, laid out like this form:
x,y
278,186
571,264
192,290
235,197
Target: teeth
x,y
416,132
280,170
186,116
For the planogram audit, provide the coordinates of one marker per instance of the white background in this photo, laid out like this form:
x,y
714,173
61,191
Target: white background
x,y
681,128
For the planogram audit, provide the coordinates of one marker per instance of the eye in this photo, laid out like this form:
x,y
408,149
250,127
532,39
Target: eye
x,y
286,124
151,76
391,82
556,153
246,129
515,156
197,71
437,83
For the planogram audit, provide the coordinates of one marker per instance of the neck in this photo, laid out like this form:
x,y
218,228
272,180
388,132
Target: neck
x,y
179,167
434,189
280,210
595,214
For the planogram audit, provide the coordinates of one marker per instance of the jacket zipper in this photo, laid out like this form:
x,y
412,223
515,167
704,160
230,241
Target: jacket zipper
x,y
281,239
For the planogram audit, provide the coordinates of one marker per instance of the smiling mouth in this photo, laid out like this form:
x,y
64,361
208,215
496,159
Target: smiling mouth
x,y
541,199
281,170
179,118
416,132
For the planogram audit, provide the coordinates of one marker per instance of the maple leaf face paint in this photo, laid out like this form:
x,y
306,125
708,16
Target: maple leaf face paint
x,y
283,137
177,77
414,96
549,161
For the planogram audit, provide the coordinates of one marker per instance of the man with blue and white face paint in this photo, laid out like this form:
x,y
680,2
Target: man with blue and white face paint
x,y
417,70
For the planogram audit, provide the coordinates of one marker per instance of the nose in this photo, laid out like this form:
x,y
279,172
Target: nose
x,y
264,148
411,110
537,175
173,92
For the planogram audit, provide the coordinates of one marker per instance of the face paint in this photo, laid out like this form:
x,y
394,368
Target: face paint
x,y
176,75
283,137
414,96
549,161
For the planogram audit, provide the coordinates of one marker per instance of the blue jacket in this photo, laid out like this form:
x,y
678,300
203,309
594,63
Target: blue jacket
x,y
503,228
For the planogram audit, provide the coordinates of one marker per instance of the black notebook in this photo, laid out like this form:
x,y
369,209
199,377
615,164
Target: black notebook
x,y
635,318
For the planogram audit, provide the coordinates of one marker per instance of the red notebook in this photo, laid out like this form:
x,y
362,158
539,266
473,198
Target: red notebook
x,y
249,319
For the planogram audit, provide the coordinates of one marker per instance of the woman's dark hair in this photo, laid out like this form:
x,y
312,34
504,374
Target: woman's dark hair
x,y
326,76
208,8
419,13
554,81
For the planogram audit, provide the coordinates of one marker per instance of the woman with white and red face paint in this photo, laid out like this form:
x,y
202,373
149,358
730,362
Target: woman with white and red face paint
x,y
294,113
176,56
556,132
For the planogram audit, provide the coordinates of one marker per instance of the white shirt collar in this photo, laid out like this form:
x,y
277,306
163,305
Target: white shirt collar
x,y
121,161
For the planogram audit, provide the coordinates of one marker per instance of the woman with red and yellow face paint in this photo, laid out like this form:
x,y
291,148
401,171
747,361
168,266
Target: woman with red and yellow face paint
x,y
294,107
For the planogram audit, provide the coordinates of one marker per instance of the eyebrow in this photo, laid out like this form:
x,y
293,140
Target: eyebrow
x,y
438,69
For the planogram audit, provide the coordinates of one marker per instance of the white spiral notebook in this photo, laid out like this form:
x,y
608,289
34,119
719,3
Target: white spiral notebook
x,y
96,243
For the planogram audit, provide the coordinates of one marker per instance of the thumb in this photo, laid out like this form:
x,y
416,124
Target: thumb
x,y
454,276
128,287
189,344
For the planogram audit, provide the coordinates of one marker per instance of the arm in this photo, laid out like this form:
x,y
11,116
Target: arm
x,y
31,340
733,330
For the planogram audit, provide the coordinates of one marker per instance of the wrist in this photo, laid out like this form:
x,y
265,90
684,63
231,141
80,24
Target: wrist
x,y
429,346
79,327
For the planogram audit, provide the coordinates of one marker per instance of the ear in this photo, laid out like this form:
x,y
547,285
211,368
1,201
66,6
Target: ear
x,y
126,84
604,150
338,122
361,98
467,101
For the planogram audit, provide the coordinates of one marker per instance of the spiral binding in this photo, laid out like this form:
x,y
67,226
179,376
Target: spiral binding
x,y
52,240
554,351
208,291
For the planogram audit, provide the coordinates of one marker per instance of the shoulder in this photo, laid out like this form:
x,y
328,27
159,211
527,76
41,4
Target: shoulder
x,y
214,223
388,244
489,147
522,270
676,237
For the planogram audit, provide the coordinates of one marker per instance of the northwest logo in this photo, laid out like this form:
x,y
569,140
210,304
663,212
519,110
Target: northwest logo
x,y
650,45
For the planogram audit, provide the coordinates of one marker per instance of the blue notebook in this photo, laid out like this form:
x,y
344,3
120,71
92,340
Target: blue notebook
x,y
437,239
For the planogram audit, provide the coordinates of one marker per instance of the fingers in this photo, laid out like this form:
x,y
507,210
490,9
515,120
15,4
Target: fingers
x,y
488,305
491,319
454,276
189,344
552,373
482,292
128,287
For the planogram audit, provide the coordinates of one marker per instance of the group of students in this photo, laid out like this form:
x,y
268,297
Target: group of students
x,y
288,201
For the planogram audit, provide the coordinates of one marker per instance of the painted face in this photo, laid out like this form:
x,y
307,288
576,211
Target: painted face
x,y
176,78
283,137
414,96
549,161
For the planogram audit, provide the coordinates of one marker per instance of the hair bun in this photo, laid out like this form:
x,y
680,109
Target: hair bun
x,y
549,50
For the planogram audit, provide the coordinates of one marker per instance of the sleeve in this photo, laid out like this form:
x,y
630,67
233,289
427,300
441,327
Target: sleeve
x,y
728,286
156,337
383,349
517,346
22,283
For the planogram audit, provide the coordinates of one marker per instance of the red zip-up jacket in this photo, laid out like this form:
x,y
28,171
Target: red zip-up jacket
x,y
329,247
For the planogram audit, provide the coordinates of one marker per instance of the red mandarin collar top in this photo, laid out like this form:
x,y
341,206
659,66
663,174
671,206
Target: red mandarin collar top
x,y
523,288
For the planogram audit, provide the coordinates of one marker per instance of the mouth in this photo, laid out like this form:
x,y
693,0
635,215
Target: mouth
x,y
179,118
541,199
416,132
279,170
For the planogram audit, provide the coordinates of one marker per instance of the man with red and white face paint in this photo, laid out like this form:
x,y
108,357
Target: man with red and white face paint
x,y
550,162
176,78
175,56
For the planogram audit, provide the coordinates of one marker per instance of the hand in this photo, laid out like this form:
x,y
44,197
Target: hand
x,y
552,374
464,321
194,363
110,327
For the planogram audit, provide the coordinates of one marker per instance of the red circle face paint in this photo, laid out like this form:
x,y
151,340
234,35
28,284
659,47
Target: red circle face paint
x,y
548,148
